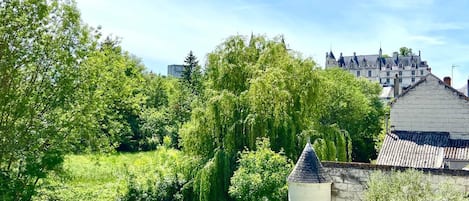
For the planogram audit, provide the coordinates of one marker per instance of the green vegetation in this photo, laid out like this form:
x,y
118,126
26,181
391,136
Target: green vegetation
x,y
107,177
405,51
409,185
69,97
261,175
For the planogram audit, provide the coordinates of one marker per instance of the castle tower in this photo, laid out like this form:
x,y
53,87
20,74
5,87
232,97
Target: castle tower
x,y
330,60
308,180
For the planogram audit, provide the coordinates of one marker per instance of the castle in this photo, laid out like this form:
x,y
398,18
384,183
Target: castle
x,y
382,68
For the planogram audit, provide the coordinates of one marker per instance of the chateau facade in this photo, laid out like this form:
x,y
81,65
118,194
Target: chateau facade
x,y
382,68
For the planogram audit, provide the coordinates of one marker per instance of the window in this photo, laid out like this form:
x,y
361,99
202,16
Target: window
x,y
400,80
413,72
387,80
400,73
358,73
369,73
413,79
421,72
388,73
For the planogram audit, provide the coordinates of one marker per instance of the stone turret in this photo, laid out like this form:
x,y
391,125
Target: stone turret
x,y
308,180
330,60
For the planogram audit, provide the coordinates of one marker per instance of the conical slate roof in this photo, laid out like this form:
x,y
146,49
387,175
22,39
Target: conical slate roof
x,y
308,169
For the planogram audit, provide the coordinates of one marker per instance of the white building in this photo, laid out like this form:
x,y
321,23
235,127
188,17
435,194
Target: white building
x,y
308,180
175,70
429,127
382,69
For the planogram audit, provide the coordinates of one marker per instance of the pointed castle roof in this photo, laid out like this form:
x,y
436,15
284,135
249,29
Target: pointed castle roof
x,y
308,168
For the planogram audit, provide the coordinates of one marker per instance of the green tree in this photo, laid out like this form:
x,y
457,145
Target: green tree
x,y
192,74
168,107
408,185
253,89
190,63
115,79
43,111
405,51
261,175
353,106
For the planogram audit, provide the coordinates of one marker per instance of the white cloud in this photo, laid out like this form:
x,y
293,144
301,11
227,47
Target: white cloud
x,y
427,39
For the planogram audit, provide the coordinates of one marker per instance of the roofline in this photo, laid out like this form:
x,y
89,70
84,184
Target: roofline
x,y
424,79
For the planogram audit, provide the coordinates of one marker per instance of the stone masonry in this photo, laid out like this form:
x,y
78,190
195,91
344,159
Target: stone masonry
x,y
349,179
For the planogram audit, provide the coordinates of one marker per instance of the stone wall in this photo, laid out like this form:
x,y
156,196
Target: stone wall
x,y
349,179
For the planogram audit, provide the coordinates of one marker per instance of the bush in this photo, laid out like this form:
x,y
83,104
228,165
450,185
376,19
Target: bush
x,y
261,175
408,185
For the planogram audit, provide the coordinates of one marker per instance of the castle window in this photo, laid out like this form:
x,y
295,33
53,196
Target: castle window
x,y
369,73
421,72
400,73
388,73
400,80
387,80
413,72
413,79
358,73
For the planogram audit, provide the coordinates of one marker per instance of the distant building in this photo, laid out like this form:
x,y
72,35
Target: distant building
x,y
175,70
382,69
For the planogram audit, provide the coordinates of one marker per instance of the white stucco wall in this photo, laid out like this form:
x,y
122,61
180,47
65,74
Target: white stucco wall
x,y
431,107
309,191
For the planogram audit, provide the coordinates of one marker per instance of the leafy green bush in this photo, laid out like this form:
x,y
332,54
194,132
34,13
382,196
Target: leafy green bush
x,y
261,175
120,175
410,185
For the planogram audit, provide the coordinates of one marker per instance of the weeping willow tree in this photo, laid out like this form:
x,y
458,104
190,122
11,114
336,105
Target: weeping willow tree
x,y
330,143
255,88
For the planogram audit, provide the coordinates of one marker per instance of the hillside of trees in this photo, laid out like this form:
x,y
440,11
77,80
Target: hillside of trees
x,y
68,90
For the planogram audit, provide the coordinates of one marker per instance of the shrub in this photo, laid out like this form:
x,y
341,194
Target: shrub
x,y
410,185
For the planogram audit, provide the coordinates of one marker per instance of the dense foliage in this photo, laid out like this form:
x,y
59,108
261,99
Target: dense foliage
x,y
67,90
408,185
155,174
43,106
261,175
258,88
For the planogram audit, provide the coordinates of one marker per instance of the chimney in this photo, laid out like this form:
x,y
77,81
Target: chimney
x,y
467,87
396,86
447,80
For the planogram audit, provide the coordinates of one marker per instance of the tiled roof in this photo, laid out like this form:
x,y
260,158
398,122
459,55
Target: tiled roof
x,y
457,150
308,169
421,149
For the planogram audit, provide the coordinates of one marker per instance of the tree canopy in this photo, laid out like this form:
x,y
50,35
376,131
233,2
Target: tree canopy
x,y
43,106
258,88
261,175
408,185
405,51
66,89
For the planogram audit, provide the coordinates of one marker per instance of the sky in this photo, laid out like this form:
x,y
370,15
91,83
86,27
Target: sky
x,y
162,32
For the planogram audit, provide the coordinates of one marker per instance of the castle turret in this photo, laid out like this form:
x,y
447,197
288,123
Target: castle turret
x,y
308,180
330,60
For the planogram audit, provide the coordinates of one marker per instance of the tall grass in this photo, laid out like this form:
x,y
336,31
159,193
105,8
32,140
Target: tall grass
x,y
105,177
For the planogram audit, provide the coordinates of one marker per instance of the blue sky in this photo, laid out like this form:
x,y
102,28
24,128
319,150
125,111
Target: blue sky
x,y
162,32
